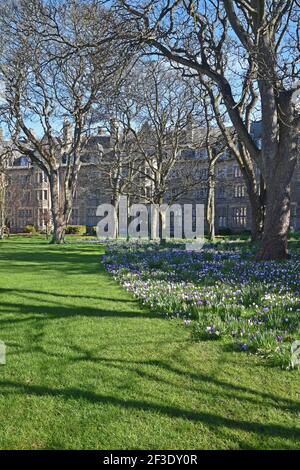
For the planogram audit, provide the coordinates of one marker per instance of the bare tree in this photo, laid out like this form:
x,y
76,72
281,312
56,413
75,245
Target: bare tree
x,y
55,90
164,114
215,148
117,163
160,116
250,50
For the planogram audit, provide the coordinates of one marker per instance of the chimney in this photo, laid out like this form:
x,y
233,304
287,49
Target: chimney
x,y
190,129
114,128
67,132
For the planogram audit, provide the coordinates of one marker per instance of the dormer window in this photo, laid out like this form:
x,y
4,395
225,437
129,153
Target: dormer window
x,y
24,161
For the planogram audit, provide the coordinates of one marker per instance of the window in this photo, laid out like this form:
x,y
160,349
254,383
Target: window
x,y
25,216
201,173
23,179
201,153
222,221
239,190
239,216
204,173
188,153
44,218
45,195
41,178
91,218
200,193
237,171
221,172
222,217
27,196
24,161
21,161
221,192
75,216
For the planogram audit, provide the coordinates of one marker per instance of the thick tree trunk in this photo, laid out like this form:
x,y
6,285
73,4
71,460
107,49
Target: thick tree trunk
x,y
59,230
274,244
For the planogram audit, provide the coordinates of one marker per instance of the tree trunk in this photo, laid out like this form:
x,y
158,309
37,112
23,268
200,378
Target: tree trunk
x,y
161,221
115,202
58,216
162,225
256,197
257,216
257,206
59,230
210,202
158,222
274,244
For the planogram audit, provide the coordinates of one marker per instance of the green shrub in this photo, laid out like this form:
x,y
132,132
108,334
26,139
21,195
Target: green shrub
x,y
75,230
91,231
30,229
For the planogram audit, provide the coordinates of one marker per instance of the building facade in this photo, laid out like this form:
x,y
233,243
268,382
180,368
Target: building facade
x,y
28,199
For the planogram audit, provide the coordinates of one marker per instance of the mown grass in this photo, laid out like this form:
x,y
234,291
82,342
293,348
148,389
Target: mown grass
x,y
89,368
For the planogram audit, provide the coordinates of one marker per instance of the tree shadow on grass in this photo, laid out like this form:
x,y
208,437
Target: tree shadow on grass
x,y
197,377
169,374
67,259
51,312
210,419
25,292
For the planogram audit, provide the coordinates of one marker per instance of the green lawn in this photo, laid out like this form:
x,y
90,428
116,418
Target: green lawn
x,y
89,368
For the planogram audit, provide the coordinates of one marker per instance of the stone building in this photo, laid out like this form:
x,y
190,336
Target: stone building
x,y
28,199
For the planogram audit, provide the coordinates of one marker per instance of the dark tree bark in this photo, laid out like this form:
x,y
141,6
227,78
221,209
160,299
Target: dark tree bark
x,y
274,242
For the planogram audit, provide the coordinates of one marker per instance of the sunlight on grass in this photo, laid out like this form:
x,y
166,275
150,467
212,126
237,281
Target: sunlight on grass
x,y
89,368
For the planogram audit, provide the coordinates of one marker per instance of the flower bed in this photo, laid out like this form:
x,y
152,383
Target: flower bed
x,y
222,293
